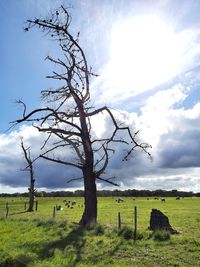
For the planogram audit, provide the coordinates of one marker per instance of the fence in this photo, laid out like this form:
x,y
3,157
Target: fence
x,y
13,207
110,212
134,222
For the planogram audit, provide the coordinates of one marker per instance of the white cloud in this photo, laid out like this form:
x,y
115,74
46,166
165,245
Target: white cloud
x,y
10,189
145,52
174,132
156,116
184,182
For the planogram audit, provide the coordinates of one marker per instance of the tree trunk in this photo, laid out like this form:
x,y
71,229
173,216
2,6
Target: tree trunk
x,y
31,190
31,201
89,216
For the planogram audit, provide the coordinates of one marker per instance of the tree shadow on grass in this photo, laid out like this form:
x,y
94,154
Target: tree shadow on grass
x,y
69,247
74,241
105,258
19,212
72,246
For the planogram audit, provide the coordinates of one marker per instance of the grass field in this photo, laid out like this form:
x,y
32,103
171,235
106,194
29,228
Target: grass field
x,y
35,239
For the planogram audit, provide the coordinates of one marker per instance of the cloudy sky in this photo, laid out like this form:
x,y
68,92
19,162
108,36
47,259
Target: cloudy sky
x,y
147,56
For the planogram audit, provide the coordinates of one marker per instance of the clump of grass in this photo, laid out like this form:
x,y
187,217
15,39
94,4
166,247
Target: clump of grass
x,y
21,219
62,224
96,229
22,260
99,229
43,222
161,235
142,235
126,233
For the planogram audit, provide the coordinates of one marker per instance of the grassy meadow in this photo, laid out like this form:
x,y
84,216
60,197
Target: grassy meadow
x,y
36,239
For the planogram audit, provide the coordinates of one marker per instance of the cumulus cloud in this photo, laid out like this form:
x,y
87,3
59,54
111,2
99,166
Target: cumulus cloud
x,y
12,162
155,118
145,52
172,129
174,134
165,123
180,147
183,181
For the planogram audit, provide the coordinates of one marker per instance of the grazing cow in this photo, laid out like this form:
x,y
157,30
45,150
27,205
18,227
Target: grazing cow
x,y
178,198
73,203
119,200
162,199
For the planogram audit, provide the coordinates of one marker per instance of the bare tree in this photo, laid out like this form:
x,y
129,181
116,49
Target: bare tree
x,y
66,119
29,168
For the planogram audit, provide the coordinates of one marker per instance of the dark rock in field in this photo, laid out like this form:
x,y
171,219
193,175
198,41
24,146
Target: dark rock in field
x,y
159,221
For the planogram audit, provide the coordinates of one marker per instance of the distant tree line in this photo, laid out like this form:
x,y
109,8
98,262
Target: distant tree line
x,y
109,193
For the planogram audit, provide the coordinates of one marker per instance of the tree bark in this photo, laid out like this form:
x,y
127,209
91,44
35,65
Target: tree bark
x,y
90,213
89,216
31,201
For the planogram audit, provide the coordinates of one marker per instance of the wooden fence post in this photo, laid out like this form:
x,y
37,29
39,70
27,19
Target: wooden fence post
x,y
135,223
36,205
54,212
7,209
24,205
119,220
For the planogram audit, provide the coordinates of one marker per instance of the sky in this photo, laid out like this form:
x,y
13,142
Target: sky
x,y
146,54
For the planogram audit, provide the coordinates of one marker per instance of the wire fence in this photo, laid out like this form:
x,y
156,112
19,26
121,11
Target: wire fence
x,y
59,209
14,207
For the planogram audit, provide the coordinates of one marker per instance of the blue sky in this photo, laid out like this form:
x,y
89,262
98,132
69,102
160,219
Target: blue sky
x,y
147,56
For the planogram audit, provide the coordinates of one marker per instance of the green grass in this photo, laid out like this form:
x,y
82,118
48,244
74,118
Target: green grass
x,y
35,239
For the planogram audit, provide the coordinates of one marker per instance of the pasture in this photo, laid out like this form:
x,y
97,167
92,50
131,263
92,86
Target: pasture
x,y
38,239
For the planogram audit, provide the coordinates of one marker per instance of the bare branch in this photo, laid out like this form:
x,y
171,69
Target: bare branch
x,y
57,130
75,179
98,173
26,152
62,162
108,181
